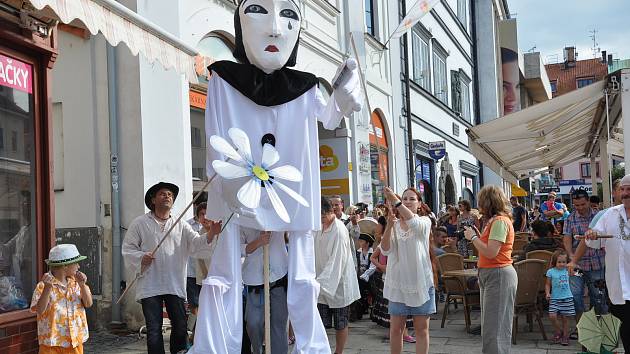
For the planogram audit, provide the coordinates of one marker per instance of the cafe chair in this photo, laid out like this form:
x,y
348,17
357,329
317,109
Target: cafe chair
x,y
529,273
455,287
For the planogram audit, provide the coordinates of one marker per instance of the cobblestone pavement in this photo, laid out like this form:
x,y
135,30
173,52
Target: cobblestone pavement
x,y
368,338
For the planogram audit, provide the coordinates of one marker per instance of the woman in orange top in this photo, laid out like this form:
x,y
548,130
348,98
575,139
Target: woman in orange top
x,y
497,277
60,300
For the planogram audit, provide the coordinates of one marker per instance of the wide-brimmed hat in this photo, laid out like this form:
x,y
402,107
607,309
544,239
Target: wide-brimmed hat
x,y
64,254
367,238
368,225
155,188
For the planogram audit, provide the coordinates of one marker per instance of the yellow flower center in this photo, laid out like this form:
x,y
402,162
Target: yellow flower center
x,y
260,173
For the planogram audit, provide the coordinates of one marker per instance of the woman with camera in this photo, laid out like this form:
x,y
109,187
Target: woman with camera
x,y
409,283
464,219
497,276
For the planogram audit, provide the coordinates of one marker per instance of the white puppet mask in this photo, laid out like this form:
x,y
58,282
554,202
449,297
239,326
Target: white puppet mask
x,y
270,31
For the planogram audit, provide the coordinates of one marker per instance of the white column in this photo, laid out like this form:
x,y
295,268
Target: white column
x,y
594,174
625,111
605,170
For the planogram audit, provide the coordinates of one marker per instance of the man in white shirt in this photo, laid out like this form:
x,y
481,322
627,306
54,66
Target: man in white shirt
x,y
336,274
615,223
252,242
164,277
337,204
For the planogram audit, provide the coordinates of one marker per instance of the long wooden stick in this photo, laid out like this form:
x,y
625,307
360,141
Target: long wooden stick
x,y
581,237
267,299
142,268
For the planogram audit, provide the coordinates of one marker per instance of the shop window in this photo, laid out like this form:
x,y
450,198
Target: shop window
x,y
378,158
18,261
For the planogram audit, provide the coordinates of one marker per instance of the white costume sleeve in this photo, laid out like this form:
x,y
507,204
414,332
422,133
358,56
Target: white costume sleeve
x,y
328,112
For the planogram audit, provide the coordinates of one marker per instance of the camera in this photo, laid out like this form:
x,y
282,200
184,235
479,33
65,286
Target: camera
x,y
459,234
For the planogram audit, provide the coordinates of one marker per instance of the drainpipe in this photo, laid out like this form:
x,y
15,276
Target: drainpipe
x,y
112,94
473,28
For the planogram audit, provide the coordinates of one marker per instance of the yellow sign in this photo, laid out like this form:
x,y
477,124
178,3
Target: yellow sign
x,y
328,161
335,186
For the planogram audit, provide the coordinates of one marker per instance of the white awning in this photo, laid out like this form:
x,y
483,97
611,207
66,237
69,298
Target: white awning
x,y
552,133
119,24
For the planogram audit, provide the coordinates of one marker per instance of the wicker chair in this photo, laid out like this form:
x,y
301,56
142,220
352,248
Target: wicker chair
x,y
518,248
456,289
522,235
529,274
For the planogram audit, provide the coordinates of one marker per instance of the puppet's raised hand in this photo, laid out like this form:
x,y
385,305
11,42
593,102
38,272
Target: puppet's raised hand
x,y
347,87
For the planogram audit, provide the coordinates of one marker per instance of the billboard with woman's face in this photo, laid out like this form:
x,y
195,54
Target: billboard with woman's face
x,y
509,66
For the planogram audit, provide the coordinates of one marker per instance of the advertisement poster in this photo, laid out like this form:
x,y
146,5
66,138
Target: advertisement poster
x,y
333,167
509,66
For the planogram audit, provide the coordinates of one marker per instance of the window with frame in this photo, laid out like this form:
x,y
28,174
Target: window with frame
x,y
370,17
420,56
462,12
585,169
195,137
554,86
585,81
440,85
557,173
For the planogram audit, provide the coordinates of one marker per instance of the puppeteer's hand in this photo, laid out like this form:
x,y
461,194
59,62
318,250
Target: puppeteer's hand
x,y
347,86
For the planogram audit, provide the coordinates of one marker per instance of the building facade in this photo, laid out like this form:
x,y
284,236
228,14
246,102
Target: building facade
x,y
567,76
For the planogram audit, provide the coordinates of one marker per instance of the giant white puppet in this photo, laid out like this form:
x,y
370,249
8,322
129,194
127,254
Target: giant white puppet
x,y
270,105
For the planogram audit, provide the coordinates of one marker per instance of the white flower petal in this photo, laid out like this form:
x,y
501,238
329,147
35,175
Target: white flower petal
x,y
293,194
277,203
241,141
269,156
222,146
228,170
249,194
286,172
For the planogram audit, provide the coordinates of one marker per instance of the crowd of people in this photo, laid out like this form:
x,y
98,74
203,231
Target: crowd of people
x,y
382,264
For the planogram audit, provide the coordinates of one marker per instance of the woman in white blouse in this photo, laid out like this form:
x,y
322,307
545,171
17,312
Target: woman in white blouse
x,y
409,284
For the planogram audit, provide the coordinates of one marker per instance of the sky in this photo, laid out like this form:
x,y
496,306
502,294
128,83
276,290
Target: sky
x,y
550,25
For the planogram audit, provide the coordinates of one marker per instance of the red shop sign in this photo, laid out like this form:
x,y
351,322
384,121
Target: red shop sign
x,y
16,74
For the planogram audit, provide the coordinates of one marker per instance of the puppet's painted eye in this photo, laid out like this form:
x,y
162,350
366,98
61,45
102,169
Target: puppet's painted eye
x,y
255,9
290,14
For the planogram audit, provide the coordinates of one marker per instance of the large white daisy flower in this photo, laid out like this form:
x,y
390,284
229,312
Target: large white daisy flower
x,y
260,174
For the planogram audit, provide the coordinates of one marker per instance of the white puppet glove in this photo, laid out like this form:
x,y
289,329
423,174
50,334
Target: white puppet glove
x,y
347,87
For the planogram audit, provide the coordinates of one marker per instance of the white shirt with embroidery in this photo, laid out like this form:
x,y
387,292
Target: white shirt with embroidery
x,y
409,272
167,273
617,258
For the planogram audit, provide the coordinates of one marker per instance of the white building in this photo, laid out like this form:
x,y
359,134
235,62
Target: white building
x,y
442,86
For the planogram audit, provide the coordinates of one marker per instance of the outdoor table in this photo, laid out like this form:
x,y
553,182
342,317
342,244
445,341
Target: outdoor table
x,y
466,273
470,263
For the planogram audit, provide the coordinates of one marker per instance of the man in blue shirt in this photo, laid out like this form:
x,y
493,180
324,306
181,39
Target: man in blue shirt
x,y
551,209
